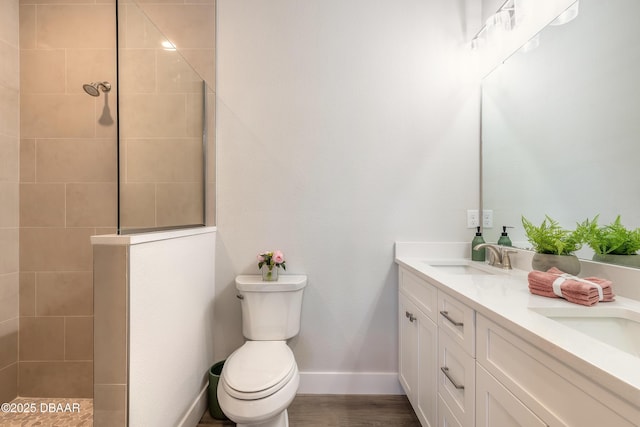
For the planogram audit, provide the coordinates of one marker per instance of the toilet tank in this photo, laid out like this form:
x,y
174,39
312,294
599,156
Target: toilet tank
x,y
270,310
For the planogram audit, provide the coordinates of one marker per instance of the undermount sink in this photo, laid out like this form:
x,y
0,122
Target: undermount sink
x,y
463,268
618,327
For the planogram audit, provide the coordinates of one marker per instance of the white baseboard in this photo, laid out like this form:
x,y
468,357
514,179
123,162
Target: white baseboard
x,y
349,383
197,409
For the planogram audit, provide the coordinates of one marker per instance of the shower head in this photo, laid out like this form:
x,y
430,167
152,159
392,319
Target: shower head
x,y
93,88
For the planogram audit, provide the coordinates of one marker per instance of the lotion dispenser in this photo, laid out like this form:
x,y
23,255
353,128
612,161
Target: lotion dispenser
x,y
477,255
504,239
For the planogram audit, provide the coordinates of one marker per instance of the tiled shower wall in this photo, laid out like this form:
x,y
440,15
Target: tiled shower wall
x,y
9,176
68,187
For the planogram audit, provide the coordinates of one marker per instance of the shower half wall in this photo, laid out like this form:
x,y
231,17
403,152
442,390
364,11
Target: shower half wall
x,y
68,170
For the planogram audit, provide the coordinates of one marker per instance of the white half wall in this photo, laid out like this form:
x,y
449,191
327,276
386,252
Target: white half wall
x,y
342,126
171,292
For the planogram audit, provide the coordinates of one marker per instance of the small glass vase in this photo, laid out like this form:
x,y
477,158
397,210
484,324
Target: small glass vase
x,y
270,274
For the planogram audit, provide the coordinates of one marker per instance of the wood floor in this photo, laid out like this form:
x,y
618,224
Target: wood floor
x,y
342,411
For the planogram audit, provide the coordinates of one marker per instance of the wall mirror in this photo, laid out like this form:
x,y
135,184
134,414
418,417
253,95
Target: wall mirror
x,y
162,129
561,124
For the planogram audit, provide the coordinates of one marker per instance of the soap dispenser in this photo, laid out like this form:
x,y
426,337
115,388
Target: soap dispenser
x,y
477,255
504,239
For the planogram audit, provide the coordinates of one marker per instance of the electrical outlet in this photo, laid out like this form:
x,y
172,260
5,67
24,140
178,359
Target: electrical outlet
x,y
473,218
487,218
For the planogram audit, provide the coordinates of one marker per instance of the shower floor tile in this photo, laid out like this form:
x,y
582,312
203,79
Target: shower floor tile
x,y
41,412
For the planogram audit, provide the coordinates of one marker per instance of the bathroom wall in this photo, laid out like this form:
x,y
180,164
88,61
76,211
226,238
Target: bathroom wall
x,y
342,127
9,182
67,187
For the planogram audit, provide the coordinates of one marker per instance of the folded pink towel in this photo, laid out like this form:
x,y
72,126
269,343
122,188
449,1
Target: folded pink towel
x,y
555,283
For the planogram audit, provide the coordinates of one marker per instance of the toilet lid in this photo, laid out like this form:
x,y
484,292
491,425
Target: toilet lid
x,y
258,369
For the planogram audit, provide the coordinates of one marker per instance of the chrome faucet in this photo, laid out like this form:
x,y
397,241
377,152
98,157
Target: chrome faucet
x,y
499,255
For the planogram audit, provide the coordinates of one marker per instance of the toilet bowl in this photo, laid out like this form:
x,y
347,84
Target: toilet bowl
x,y
260,379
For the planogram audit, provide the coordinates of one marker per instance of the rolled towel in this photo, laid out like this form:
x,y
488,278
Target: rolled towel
x,y
555,283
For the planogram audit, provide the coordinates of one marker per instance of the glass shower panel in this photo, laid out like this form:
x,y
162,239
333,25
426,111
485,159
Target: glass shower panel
x,y
162,129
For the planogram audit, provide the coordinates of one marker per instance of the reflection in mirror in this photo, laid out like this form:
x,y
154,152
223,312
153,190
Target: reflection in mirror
x,y
561,123
162,128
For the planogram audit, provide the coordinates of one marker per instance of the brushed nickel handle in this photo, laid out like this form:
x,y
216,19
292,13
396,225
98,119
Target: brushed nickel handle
x,y
445,314
409,316
445,371
239,296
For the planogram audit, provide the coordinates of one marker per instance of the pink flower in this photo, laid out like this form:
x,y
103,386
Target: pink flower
x,y
278,257
260,258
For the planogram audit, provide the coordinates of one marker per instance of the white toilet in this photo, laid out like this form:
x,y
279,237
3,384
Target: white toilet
x,y
260,379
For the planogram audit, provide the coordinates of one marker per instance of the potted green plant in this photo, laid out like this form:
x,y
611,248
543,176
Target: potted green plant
x,y
554,245
613,243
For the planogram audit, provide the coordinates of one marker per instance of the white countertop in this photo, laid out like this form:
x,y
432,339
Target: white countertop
x,y
506,300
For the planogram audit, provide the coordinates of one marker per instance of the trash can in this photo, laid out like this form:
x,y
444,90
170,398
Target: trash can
x,y
214,406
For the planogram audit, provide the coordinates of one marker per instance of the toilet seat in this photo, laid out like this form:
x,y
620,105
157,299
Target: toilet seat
x,y
258,369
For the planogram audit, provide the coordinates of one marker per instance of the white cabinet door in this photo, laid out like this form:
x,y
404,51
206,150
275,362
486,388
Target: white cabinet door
x,y
408,347
427,371
418,357
445,416
497,407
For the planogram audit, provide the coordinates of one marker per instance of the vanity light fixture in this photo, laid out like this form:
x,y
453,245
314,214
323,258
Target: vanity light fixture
x,y
496,25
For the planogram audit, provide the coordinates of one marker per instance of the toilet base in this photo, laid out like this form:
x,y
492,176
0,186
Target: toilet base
x,y
280,420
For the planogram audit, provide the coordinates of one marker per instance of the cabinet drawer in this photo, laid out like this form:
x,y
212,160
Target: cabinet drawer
x,y
445,416
423,294
458,321
456,379
496,406
546,386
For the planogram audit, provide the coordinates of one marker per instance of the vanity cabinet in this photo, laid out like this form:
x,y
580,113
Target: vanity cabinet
x,y
418,346
436,353
532,384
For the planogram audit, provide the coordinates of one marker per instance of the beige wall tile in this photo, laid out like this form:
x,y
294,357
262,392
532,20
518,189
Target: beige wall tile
x,y
68,293
137,205
189,25
106,114
110,314
9,18
42,71
204,62
64,160
9,65
90,65
9,112
8,342
41,338
92,204
162,160
78,343
27,294
27,160
9,297
9,197
179,204
27,26
57,116
75,26
42,205
175,75
9,239
148,115
195,113
137,70
109,405
56,379
9,383
138,32
55,249
9,158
